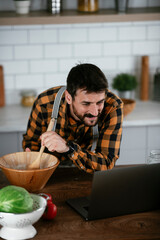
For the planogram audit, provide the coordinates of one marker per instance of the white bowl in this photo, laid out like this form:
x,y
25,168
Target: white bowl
x,y
19,226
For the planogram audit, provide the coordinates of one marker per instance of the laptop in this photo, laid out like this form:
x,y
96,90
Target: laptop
x,y
120,191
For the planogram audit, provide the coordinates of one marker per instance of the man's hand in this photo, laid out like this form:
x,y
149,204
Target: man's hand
x,y
27,150
54,142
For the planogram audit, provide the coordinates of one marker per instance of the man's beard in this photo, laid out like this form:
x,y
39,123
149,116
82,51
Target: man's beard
x,y
88,115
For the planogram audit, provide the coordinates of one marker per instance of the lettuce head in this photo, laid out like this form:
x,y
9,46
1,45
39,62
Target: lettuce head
x,y
14,199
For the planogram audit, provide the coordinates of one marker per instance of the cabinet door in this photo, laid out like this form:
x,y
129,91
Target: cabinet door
x,y
8,143
20,138
153,138
133,146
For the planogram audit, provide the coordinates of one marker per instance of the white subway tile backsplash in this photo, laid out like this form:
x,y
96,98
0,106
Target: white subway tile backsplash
x,y
86,25
153,32
137,3
5,27
6,53
29,81
43,36
146,23
13,37
41,56
58,51
15,67
22,27
117,24
154,62
43,66
66,64
102,34
117,49
106,4
57,26
9,82
144,47
153,3
72,35
127,63
87,49
12,97
132,33
28,52
105,63
52,80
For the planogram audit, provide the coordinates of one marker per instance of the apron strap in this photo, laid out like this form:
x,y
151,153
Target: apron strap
x,y
55,115
56,105
95,137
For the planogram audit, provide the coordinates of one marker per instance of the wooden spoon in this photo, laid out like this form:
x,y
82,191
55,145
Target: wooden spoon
x,y
36,163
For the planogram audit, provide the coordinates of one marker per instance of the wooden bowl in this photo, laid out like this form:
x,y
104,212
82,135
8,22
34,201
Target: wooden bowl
x,y
14,166
129,105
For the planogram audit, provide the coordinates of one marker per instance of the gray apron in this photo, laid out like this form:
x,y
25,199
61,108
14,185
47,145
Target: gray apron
x,y
55,115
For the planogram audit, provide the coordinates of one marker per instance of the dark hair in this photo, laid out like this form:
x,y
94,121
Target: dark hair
x,y
88,77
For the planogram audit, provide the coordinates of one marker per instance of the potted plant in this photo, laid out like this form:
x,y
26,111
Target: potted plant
x,y
125,84
22,6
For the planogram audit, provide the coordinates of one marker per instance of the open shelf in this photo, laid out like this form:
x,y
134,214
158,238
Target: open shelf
x,y
73,16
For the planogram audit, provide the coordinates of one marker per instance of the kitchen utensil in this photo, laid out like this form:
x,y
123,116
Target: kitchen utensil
x,y
2,95
144,92
19,226
14,166
36,164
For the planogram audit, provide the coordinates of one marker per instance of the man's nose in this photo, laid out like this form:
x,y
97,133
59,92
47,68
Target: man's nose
x,y
94,110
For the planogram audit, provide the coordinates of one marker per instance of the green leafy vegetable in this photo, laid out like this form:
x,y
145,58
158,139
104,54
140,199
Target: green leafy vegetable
x,y
15,199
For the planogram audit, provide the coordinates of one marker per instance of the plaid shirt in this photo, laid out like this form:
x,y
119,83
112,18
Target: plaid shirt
x,y
109,125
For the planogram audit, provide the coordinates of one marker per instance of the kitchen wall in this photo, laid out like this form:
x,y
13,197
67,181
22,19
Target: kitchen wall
x,y
40,56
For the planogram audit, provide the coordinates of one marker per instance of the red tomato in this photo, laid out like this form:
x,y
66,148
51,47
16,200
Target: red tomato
x,y
50,212
51,209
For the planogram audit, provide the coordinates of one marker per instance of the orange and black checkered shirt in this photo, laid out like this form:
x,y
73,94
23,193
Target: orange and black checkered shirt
x,y
109,125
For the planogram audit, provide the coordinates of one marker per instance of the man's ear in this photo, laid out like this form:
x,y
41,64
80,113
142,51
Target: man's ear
x,y
68,97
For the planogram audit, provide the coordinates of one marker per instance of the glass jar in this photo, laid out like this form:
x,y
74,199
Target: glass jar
x,y
54,6
28,97
88,5
154,157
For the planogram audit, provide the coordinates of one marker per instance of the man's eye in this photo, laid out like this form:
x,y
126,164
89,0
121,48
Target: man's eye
x,y
99,103
85,104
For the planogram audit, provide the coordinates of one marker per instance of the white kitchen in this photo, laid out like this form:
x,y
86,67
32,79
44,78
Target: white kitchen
x,y
38,51
40,42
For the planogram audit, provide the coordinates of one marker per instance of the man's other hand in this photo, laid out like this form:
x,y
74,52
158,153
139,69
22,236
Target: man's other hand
x,y
27,150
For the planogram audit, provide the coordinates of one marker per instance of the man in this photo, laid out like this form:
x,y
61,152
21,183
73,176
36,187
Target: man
x,y
86,103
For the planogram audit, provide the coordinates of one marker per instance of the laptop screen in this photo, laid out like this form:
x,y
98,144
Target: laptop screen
x,y
121,191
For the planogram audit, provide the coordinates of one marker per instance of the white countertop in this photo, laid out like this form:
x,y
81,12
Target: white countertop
x,y
14,118
146,113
